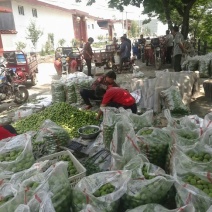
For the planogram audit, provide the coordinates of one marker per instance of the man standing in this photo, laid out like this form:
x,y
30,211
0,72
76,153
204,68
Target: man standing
x,y
124,52
88,53
169,46
178,48
130,43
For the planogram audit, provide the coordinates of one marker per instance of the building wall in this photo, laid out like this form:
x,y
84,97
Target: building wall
x,y
95,31
118,30
49,20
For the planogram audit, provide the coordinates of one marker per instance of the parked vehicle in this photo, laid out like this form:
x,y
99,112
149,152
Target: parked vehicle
x,y
26,67
127,65
8,88
67,60
153,54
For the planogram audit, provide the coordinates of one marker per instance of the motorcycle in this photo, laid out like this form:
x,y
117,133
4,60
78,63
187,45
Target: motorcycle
x,y
153,53
68,60
127,65
9,89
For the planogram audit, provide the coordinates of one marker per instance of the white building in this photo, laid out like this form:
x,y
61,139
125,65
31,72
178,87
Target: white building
x,y
156,27
67,24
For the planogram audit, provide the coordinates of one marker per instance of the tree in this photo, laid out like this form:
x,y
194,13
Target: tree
x,y
170,11
20,45
61,42
33,33
146,31
134,29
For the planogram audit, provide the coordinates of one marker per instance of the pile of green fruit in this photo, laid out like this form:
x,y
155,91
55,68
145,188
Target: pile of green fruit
x,y
10,156
71,168
90,131
153,146
63,114
199,183
9,163
104,190
186,137
199,156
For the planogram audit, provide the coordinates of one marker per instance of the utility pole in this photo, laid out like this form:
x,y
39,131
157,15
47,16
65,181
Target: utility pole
x,y
126,25
122,22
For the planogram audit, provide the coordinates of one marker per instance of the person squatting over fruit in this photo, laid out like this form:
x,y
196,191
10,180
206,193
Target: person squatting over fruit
x,y
116,97
108,80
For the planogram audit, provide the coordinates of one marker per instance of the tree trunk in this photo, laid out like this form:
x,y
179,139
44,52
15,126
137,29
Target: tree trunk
x,y
167,13
185,25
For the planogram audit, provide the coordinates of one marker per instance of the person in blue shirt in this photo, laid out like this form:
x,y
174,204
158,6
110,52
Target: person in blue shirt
x,y
125,50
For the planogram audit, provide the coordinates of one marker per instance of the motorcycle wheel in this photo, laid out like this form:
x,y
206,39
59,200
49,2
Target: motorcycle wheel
x,y
21,95
158,63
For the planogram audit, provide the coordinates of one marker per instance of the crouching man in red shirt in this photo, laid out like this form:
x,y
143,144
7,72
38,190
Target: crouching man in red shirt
x,y
116,97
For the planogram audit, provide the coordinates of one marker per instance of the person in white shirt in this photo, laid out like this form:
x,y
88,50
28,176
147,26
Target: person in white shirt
x,y
169,46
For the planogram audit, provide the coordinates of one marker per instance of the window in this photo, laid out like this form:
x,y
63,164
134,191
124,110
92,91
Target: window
x,y
92,26
21,10
88,26
34,13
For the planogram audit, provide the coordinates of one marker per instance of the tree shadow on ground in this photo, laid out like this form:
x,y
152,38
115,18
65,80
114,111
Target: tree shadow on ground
x,y
201,106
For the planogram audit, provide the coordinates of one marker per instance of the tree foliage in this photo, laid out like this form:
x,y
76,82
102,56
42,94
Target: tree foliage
x,y
20,45
33,33
183,13
134,29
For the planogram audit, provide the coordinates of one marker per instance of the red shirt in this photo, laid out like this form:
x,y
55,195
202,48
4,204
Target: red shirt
x,y
118,95
5,133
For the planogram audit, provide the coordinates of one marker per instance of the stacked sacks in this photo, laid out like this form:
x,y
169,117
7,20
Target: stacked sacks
x,y
149,184
193,186
102,190
157,208
154,143
124,145
16,155
58,92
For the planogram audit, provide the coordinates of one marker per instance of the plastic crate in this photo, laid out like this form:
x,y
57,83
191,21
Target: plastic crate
x,y
53,158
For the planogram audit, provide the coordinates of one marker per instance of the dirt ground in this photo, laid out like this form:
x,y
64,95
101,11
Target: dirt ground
x,y
199,105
